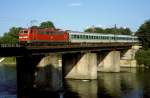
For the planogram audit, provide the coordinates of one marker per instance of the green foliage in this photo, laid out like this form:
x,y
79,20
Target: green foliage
x,y
47,24
96,30
11,36
143,57
124,31
144,34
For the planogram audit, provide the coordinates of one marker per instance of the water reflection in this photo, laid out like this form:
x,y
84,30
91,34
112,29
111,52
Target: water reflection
x,y
85,89
109,85
126,84
116,85
7,82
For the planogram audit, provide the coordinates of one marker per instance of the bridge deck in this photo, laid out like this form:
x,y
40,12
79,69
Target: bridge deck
x,y
17,50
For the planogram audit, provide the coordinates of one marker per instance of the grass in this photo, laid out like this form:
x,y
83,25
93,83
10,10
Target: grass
x,y
9,60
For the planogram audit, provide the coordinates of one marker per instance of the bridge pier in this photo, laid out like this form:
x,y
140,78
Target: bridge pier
x,y
128,57
80,66
38,72
26,67
109,62
49,74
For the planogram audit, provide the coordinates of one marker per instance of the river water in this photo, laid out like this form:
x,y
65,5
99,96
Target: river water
x,y
130,83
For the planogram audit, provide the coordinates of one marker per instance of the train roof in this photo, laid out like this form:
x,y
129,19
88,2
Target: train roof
x,y
91,33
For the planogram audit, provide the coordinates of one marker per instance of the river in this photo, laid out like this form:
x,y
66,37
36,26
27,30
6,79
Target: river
x,y
130,83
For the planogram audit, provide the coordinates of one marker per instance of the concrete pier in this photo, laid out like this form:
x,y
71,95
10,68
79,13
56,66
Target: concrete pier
x,y
128,57
26,68
38,72
49,74
110,62
80,66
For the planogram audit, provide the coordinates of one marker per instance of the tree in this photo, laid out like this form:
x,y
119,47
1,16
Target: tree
x,y
47,24
126,31
123,31
95,30
143,57
11,36
144,34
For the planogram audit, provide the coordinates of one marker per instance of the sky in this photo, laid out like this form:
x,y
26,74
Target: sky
x,y
74,15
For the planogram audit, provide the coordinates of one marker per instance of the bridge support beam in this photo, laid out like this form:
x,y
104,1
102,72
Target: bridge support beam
x,y
109,62
80,66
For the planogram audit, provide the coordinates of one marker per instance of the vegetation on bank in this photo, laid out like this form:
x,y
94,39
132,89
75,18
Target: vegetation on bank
x,y
9,61
143,55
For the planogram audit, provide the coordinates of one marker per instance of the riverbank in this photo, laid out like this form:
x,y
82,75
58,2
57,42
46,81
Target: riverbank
x,y
9,61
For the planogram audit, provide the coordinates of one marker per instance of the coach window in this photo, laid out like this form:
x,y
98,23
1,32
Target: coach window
x,y
78,36
86,36
100,37
96,37
106,37
111,38
72,36
103,37
83,36
90,37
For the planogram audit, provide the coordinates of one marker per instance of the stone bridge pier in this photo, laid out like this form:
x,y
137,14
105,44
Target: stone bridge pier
x,y
80,65
38,72
109,61
128,57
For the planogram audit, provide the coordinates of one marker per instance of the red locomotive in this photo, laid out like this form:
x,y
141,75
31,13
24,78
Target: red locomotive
x,y
42,35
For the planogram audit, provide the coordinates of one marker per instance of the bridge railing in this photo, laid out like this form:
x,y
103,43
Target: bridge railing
x,y
9,45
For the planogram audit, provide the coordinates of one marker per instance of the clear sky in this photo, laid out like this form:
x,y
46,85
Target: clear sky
x,y
74,14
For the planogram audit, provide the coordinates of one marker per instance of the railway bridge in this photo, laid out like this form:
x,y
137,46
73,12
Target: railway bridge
x,y
44,66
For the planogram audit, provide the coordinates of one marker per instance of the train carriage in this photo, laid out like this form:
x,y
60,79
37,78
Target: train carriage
x,y
84,37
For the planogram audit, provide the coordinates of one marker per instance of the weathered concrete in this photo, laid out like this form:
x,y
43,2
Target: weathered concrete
x,y
80,66
49,74
128,58
110,62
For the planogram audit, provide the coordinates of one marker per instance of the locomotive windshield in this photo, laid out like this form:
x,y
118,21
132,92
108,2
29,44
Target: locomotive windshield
x,y
24,31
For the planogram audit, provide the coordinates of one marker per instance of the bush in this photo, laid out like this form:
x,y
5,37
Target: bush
x,y
143,57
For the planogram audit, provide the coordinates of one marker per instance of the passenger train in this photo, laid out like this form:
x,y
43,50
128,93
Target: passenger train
x,y
56,36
